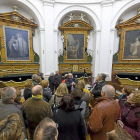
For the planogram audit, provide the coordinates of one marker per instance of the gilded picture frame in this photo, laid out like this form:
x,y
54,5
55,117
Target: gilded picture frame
x,y
17,44
75,45
130,45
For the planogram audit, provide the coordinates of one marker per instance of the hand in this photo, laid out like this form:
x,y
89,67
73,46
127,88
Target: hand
x,y
120,123
117,100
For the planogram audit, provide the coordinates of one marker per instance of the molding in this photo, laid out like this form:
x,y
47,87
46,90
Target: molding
x,y
113,29
96,31
55,30
49,2
107,3
41,29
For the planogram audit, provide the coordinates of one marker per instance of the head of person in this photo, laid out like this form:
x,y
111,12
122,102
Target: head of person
x,y
70,76
108,91
76,93
81,85
119,134
8,94
39,79
37,90
57,72
11,127
44,83
101,77
18,94
127,90
61,90
52,74
41,74
29,84
134,98
46,130
34,77
67,102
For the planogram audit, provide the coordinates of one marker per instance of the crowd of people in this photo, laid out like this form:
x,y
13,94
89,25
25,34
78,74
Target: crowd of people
x,y
62,110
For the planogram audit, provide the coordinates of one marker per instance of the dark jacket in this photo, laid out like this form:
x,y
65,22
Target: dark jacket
x,y
71,125
57,79
35,82
122,101
27,93
68,83
9,108
47,94
103,117
51,83
130,116
97,89
35,110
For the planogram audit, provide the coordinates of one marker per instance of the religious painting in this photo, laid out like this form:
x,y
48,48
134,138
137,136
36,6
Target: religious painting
x,y
16,44
75,46
131,48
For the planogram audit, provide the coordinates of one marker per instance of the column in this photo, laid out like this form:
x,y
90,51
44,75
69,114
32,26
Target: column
x,y
42,49
49,36
105,36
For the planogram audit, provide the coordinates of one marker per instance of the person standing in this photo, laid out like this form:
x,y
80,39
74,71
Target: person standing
x,y
104,114
96,91
57,79
36,109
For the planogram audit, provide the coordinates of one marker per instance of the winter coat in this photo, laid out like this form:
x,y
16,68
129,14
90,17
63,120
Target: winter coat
x,y
130,116
71,125
35,110
9,108
97,89
68,83
52,83
103,117
47,94
122,101
35,82
27,93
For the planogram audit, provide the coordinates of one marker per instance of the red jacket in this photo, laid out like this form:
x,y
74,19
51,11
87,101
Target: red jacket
x,y
130,116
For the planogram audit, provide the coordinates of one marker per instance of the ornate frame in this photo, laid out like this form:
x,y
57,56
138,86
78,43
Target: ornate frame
x,y
75,27
132,24
14,20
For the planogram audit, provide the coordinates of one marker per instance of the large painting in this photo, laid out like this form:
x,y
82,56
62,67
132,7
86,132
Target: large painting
x,y
131,49
75,46
16,44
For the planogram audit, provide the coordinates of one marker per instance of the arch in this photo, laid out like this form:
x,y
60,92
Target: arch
x,y
35,11
121,11
77,8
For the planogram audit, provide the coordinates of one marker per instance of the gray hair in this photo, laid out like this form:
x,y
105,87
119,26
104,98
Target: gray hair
x,y
34,76
52,74
36,90
7,93
108,90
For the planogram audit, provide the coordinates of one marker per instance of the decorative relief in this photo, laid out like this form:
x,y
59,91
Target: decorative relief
x,y
75,68
15,18
19,69
3,70
32,69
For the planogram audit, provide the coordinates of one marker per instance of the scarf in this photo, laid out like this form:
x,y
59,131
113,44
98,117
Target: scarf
x,y
37,96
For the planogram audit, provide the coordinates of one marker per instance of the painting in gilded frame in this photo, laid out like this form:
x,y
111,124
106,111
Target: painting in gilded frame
x,y
75,46
16,44
131,48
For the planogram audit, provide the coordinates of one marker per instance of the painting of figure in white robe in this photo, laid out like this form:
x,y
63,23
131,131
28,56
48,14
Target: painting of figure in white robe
x,y
17,45
132,45
75,46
